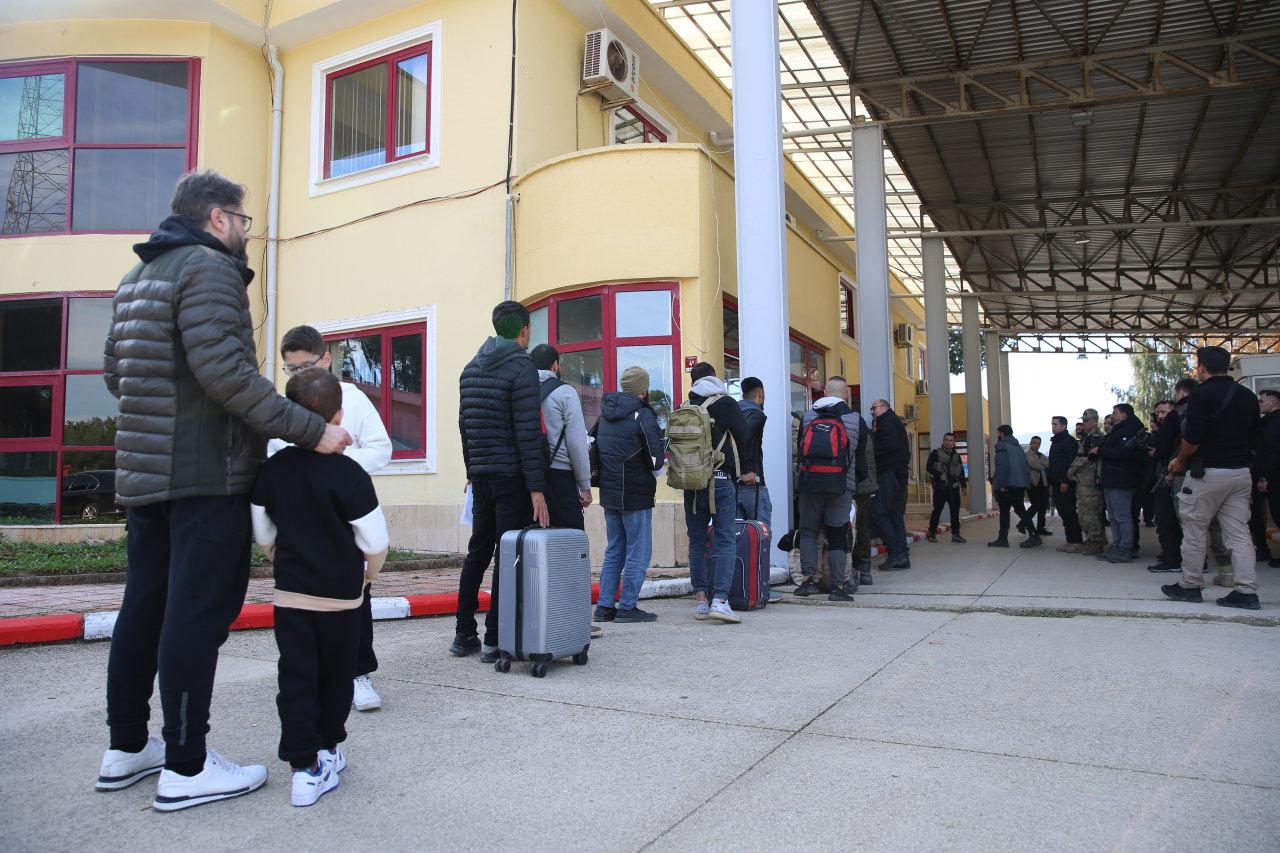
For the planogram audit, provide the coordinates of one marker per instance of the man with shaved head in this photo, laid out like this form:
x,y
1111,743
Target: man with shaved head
x,y
893,458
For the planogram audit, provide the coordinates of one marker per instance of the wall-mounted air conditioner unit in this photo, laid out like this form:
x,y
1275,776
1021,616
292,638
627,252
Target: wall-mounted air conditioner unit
x,y
904,335
610,68
910,412
922,387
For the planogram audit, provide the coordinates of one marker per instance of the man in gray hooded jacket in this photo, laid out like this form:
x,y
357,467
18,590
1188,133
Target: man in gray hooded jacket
x,y
568,485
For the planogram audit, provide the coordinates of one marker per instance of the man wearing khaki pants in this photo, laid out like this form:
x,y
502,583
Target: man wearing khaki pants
x,y
1219,430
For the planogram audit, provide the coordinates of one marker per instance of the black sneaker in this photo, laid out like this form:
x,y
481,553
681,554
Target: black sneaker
x,y
1275,564
464,644
1043,532
864,577
956,537
1032,541
1161,567
840,595
1178,592
1002,542
1264,555
930,537
1106,555
1243,600
489,655
604,614
635,614
894,564
1120,557
807,588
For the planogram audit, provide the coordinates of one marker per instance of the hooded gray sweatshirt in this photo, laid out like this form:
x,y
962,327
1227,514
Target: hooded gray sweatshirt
x,y
562,414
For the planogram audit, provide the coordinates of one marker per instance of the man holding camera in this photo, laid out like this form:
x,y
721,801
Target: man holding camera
x,y
1219,431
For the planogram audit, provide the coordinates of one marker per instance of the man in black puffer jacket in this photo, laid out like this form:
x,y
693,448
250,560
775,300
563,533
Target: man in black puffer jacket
x,y
1062,450
893,460
1120,475
629,443
195,416
505,452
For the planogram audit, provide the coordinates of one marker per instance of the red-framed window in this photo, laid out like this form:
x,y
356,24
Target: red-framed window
x,y
94,144
389,365
808,361
378,111
57,418
601,331
633,127
848,310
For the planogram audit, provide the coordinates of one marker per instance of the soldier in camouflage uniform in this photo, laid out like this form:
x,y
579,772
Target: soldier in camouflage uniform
x,y
1084,473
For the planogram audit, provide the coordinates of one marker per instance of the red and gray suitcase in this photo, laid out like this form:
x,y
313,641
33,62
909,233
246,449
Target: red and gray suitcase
x,y
544,597
749,589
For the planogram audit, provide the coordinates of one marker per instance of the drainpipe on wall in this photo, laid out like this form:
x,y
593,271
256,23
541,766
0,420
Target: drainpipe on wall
x,y
273,207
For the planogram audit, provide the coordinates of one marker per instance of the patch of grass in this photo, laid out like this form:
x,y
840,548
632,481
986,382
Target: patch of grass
x,y
70,558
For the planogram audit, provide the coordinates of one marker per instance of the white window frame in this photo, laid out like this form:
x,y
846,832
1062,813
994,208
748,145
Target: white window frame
x,y
320,71
843,281
646,112
911,361
427,315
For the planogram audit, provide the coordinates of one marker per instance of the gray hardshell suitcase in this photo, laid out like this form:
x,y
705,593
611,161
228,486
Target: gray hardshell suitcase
x,y
544,597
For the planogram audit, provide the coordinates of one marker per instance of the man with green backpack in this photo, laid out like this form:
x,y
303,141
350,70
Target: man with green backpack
x,y
703,440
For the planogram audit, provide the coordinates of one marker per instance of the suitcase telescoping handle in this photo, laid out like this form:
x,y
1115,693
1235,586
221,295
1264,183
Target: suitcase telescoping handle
x,y
517,572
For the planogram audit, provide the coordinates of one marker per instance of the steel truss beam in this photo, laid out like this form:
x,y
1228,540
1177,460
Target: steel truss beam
x,y
1061,82
1154,343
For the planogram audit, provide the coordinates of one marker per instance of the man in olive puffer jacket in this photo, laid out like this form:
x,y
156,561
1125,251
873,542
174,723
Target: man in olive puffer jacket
x,y
195,416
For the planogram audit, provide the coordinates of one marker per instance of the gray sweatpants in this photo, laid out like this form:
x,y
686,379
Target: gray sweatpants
x,y
832,513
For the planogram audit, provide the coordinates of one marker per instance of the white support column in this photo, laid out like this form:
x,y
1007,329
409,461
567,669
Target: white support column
x,y
875,322
973,406
995,386
1006,404
761,238
935,329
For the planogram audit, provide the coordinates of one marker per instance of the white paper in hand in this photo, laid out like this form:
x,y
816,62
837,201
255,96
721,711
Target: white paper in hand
x,y
466,508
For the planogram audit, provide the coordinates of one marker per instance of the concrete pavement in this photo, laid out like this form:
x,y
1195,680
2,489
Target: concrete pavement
x,y
805,728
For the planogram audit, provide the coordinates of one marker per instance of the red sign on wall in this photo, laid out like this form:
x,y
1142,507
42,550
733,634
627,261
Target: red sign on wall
x,y
690,361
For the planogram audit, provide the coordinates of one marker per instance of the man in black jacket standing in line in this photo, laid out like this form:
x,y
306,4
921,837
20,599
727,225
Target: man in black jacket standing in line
x,y
1062,449
893,459
1119,475
505,453
195,416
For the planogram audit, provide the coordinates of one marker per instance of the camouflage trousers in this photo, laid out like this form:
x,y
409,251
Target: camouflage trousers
x,y
1089,508
1217,547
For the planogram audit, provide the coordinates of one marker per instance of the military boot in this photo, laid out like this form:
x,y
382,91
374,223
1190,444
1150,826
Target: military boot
x,y
1090,549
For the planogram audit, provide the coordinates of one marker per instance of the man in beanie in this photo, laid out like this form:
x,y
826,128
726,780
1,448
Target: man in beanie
x,y
1083,471
629,443
569,475
505,456
1219,431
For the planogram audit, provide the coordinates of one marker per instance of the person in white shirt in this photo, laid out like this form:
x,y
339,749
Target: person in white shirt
x,y
303,347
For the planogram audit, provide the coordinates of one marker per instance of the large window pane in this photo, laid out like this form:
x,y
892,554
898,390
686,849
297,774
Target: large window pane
x,y
34,186
26,411
628,129
358,121
131,102
411,105
406,392
28,487
796,358
31,107
30,335
656,360
89,487
89,413
538,327
124,189
88,321
643,313
579,320
358,360
799,399
731,330
818,367
585,372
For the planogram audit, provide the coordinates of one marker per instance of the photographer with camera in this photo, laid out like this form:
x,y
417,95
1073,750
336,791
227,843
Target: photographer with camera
x,y
1219,430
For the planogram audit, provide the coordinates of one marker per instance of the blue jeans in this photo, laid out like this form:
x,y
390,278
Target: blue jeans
x,y
747,502
626,558
724,540
1120,511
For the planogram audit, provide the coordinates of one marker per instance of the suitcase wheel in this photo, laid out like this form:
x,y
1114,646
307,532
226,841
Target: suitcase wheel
x,y
580,658
539,670
502,665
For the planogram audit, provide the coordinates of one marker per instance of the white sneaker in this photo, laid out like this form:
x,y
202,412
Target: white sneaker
x,y
121,769
336,758
703,609
720,610
219,780
365,698
308,788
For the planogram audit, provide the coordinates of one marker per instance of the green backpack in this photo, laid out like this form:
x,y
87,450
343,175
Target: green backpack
x,y
691,460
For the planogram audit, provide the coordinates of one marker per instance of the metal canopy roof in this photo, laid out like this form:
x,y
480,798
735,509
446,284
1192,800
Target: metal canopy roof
x,y
1038,114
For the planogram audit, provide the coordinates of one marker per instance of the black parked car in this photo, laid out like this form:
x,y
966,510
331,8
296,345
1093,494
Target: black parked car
x,y
88,495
